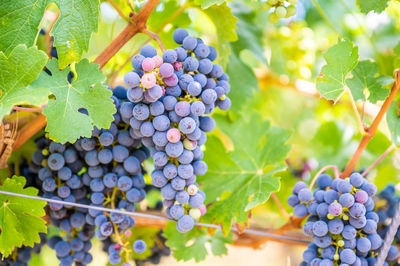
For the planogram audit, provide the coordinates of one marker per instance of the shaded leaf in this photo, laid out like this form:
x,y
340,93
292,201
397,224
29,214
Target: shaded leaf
x,y
243,82
17,71
72,30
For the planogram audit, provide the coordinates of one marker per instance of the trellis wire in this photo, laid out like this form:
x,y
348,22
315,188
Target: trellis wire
x,y
389,237
249,231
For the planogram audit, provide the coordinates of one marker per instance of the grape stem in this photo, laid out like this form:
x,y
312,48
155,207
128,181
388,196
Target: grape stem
x,y
356,113
166,22
279,204
29,130
136,24
155,37
371,131
119,11
391,148
323,169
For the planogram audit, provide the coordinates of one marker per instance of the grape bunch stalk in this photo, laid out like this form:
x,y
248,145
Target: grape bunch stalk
x,y
342,221
170,100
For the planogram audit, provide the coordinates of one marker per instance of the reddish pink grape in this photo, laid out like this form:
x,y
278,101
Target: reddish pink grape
x,y
173,135
148,64
177,65
361,196
203,209
148,80
158,60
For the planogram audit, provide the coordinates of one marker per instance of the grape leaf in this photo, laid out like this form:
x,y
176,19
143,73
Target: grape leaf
x,y
64,121
19,22
366,77
245,177
372,5
393,120
243,82
72,30
225,23
20,220
250,33
207,3
17,71
340,60
191,245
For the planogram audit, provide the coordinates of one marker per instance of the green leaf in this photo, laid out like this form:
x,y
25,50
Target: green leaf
x,y
207,3
372,5
245,177
17,71
20,220
243,82
64,121
225,24
340,60
19,22
191,245
366,77
249,32
393,120
72,31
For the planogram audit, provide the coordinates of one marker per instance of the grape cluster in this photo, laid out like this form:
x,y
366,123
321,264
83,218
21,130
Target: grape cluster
x,y
21,256
170,98
281,9
104,170
342,221
386,204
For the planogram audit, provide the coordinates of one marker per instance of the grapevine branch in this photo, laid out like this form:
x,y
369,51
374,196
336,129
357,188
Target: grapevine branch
x,y
119,11
356,113
136,25
371,131
29,130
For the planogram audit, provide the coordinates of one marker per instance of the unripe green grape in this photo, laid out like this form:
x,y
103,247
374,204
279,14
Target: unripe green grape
x,y
273,18
272,2
291,11
195,213
280,11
